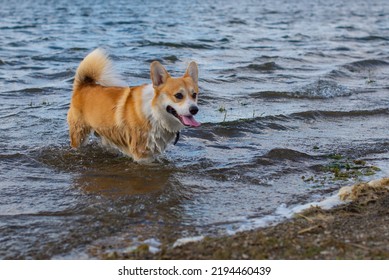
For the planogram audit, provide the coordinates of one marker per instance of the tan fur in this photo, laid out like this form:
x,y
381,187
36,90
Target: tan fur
x,y
120,115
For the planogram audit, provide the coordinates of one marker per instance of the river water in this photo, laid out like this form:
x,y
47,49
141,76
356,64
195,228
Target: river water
x,y
294,103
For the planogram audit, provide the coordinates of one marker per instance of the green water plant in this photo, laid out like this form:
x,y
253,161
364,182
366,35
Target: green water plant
x,y
344,169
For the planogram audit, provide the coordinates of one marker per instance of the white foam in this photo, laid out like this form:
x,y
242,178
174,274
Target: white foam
x,y
154,245
283,212
182,241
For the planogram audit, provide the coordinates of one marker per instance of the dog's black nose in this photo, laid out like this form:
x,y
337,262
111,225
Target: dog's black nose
x,y
193,110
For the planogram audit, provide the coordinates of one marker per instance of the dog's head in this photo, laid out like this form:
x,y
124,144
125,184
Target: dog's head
x,y
175,98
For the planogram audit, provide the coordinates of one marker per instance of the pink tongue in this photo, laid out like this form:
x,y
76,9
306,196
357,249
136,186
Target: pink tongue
x,y
189,121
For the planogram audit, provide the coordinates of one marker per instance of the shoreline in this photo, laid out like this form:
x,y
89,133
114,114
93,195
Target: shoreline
x,y
355,230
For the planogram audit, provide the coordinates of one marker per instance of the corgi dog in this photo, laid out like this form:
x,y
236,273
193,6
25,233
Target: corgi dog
x,y
140,121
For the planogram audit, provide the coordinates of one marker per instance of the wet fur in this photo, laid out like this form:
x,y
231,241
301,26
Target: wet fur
x,y
132,119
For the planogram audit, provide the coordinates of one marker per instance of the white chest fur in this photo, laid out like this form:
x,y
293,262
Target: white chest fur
x,y
160,134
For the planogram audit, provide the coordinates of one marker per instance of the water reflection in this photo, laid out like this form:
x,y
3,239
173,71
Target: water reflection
x,y
100,171
114,181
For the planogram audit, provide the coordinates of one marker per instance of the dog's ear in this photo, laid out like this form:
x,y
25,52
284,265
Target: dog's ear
x,y
158,74
193,72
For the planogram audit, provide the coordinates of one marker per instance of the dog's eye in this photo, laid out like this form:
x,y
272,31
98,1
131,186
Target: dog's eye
x,y
194,95
179,95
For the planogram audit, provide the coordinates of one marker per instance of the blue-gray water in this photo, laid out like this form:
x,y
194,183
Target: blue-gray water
x,y
285,85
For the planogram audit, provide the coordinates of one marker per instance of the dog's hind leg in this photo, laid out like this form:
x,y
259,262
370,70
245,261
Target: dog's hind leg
x,y
78,135
78,131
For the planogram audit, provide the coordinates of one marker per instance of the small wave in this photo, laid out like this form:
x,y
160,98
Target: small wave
x,y
171,58
9,115
297,38
65,158
371,38
347,27
34,90
168,59
338,74
78,49
237,21
267,66
52,58
342,49
365,64
323,89
271,94
339,114
182,45
368,38
124,22
238,128
66,74
14,156
15,27
288,154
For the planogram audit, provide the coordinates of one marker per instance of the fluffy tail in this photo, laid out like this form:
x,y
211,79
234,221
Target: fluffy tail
x,y
96,68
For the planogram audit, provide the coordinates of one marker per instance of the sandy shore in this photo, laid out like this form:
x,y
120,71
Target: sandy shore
x,y
356,230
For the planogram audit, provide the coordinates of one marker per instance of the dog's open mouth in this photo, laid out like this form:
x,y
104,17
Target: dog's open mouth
x,y
185,120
